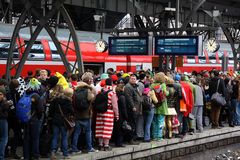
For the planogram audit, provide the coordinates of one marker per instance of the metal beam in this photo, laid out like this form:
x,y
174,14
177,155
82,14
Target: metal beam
x,y
190,15
75,39
13,42
228,36
43,21
158,29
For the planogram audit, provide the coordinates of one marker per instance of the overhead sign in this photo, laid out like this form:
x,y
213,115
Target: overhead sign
x,y
128,45
178,45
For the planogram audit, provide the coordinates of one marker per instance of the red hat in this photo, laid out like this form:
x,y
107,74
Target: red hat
x,y
102,82
114,78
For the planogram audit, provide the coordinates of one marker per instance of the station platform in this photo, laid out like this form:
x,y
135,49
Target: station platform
x,y
169,148
174,149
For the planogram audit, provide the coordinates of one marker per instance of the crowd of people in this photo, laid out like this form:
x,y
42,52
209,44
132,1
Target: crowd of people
x,y
88,112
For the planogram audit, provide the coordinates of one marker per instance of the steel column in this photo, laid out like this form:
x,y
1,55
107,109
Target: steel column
x,y
43,23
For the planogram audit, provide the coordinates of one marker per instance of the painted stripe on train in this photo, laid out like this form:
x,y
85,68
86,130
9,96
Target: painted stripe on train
x,y
201,65
61,63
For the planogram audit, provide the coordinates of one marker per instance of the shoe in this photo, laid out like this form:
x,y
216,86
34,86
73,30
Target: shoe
x,y
107,148
181,136
231,125
100,148
75,152
120,145
53,156
191,133
92,150
221,125
15,156
66,157
132,142
146,141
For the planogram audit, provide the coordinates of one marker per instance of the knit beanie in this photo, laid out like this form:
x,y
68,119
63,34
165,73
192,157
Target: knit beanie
x,y
146,91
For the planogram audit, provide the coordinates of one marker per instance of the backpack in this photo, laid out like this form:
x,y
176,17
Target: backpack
x,y
146,103
23,108
80,99
101,102
161,97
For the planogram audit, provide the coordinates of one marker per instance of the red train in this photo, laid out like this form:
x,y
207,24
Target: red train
x,y
44,54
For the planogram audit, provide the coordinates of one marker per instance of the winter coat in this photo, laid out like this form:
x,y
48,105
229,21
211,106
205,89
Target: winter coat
x,y
122,107
86,114
178,88
133,98
213,86
4,109
65,104
235,89
163,107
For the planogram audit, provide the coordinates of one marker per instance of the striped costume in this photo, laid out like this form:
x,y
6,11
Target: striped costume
x,y
104,121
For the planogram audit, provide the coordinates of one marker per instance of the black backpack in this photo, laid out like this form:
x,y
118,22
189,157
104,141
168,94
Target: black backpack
x,y
146,103
101,102
80,99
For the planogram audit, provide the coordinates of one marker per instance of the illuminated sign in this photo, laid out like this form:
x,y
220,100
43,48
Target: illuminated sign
x,y
178,45
128,45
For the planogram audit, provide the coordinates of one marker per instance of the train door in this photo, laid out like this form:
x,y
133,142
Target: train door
x,y
97,68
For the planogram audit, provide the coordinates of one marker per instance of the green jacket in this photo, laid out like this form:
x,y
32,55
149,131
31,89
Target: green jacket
x,y
163,107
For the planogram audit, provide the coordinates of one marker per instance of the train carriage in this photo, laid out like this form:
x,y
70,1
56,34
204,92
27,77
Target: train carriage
x,y
44,54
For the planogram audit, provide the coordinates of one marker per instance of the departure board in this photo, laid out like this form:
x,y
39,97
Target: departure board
x,y
177,45
128,45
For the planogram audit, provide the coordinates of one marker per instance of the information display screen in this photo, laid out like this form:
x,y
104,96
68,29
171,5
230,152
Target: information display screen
x,y
128,45
177,45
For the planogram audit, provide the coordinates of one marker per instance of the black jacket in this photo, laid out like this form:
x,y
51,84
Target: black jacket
x,y
235,90
66,106
213,86
4,109
122,108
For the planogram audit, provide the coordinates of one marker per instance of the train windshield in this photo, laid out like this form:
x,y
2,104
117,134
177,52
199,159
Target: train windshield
x,y
36,52
55,55
4,47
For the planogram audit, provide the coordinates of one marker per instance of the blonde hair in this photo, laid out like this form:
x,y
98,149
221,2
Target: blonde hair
x,y
159,78
43,72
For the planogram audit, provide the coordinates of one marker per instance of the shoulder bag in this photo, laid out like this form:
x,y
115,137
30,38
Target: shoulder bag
x,y
218,98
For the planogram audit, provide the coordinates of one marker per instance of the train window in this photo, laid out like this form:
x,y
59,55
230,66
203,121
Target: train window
x,y
212,59
220,54
55,55
191,59
202,59
36,53
4,47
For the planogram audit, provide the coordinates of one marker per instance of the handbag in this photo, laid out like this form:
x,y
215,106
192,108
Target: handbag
x,y
69,121
126,126
218,98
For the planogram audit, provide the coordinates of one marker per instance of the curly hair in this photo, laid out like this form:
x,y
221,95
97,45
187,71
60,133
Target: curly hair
x,y
159,77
